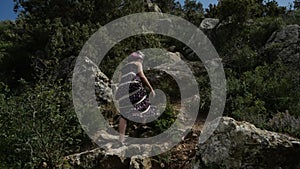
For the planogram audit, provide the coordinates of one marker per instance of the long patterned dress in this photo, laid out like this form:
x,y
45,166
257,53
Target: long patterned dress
x,y
132,97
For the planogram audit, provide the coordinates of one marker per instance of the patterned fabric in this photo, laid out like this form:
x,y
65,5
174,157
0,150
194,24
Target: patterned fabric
x,y
132,97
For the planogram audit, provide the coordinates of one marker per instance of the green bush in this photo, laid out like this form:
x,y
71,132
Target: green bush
x,y
156,127
166,120
292,17
258,95
285,123
262,29
38,126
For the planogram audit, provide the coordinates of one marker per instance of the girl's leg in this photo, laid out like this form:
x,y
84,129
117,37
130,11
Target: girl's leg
x,y
122,129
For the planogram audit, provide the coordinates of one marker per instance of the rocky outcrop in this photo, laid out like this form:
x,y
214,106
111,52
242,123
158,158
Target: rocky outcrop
x,y
103,90
234,144
103,87
152,7
100,158
209,23
237,144
285,45
97,158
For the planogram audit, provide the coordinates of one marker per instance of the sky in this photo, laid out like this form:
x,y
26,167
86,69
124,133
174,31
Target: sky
x,y
207,2
7,10
7,13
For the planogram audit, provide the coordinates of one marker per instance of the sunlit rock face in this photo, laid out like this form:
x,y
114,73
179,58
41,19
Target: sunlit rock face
x,y
236,144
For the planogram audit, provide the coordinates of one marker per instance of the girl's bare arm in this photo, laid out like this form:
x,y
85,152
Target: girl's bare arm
x,y
144,78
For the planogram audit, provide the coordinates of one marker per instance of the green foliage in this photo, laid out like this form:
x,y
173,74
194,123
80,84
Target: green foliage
x,y
70,11
238,16
211,11
52,30
165,5
13,63
292,17
162,160
296,4
240,48
259,84
156,127
37,119
166,83
194,11
121,50
239,11
166,120
5,35
257,95
38,126
285,123
250,109
272,9
262,29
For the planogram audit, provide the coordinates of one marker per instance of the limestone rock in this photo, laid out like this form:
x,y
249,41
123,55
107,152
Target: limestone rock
x,y
241,145
103,89
138,162
99,158
285,45
96,158
153,7
209,23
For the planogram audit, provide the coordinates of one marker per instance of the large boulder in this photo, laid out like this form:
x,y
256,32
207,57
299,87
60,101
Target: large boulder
x,y
209,23
285,45
87,70
153,7
237,144
97,158
100,158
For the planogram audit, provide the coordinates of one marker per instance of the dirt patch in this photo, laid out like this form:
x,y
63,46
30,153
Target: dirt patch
x,y
181,156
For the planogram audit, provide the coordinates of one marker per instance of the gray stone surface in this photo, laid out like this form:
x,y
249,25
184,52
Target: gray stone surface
x,y
209,23
99,158
236,144
285,45
103,89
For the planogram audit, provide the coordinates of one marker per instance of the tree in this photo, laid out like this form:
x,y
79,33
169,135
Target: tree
x,y
296,4
166,6
272,9
14,63
194,11
211,11
52,30
239,11
39,125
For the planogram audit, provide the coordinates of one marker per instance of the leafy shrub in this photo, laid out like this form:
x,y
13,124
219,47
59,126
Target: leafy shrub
x,y
285,123
156,127
292,17
166,120
262,29
257,95
38,126
250,109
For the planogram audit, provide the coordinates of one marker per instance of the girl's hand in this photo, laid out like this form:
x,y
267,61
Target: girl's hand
x,y
152,93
